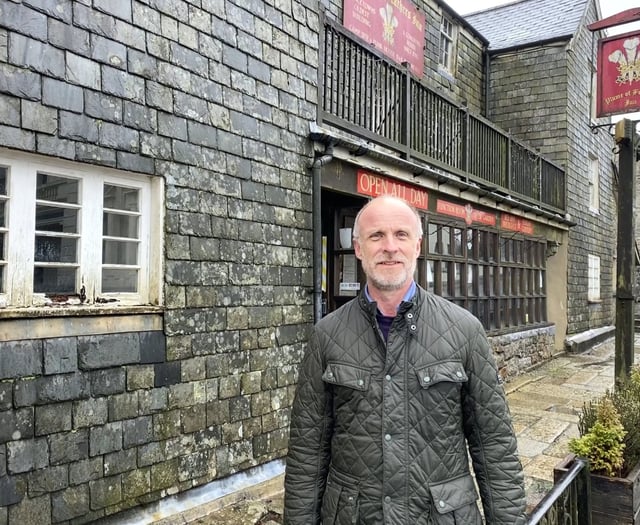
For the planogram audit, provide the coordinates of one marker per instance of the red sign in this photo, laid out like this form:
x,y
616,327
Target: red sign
x,y
465,212
516,224
374,185
395,27
618,74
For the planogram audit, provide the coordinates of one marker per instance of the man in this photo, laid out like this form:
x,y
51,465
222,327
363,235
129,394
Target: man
x,y
393,388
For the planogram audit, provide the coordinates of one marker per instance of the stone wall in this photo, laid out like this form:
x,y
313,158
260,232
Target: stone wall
x,y
518,352
220,109
553,115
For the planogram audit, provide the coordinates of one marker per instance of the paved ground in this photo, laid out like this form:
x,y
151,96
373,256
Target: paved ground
x,y
544,404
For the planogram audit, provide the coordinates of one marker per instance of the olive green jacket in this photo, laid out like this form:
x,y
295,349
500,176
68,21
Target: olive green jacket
x,y
380,431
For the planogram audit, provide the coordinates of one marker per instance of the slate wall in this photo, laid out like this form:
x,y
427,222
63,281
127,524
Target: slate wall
x,y
215,97
553,114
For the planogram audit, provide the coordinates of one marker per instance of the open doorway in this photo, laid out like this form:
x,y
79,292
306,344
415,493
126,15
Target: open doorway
x,y
342,273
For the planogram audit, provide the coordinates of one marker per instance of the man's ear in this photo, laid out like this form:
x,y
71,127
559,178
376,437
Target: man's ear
x,y
356,248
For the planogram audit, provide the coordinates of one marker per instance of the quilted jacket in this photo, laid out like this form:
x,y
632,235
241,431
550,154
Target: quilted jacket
x,y
379,431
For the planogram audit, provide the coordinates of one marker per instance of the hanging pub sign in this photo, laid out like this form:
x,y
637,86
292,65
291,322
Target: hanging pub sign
x,y
374,185
618,74
618,78
395,27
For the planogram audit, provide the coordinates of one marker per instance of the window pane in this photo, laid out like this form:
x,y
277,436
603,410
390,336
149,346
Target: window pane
x,y
481,278
445,279
57,189
115,225
430,276
490,280
506,289
119,280
3,180
446,240
2,290
457,269
54,280
457,240
55,249
55,219
3,220
119,198
472,242
119,252
433,238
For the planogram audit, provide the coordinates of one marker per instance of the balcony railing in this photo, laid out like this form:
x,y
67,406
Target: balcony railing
x,y
366,94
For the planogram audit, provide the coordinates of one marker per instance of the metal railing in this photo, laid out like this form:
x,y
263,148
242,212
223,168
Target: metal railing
x,y
366,94
569,502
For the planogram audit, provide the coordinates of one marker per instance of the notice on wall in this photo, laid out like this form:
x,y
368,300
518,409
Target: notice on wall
x,y
349,284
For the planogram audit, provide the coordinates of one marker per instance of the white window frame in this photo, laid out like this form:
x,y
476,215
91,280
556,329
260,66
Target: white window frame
x,y
593,293
594,184
20,230
448,40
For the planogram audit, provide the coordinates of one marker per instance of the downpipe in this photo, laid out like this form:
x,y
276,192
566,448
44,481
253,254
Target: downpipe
x,y
316,172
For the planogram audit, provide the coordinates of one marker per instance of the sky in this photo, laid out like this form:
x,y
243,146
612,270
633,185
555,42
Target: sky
x,y
607,7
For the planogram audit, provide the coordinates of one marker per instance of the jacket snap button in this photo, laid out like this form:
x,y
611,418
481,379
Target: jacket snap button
x,y
387,377
387,437
350,498
426,379
360,382
441,503
458,373
387,499
413,327
409,316
330,374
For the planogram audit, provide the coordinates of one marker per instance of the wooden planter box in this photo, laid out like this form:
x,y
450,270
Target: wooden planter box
x,y
614,501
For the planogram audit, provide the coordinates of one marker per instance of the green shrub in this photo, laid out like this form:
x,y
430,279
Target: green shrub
x,y
603,444
598,441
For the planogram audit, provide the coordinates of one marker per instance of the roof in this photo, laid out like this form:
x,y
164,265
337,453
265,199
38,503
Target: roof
x,y
527,22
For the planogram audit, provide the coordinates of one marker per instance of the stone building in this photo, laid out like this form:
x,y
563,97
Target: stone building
x,y
174,177
557,117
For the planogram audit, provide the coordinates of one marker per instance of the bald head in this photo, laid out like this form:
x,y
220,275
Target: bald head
x,y
386,203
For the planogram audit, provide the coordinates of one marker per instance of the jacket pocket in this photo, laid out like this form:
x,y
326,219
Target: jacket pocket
x,y
455,502
339,503
347,375
445,371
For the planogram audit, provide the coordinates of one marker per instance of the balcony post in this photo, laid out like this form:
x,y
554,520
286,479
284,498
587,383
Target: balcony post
x,y
405,111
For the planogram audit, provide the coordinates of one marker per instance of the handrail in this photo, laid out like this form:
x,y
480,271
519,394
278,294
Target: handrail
x,y
570,496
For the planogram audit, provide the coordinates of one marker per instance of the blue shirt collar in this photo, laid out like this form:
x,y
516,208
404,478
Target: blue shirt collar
x,y
410,293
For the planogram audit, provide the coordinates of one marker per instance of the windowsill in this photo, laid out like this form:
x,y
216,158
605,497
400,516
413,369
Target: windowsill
x,y
37,312
594,301
446,74
71,321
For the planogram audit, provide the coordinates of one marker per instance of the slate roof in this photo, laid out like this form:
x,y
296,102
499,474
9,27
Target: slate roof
x,y
527,22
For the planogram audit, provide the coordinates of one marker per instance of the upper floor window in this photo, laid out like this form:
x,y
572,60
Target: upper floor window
x,y
594,184
76,234
447,45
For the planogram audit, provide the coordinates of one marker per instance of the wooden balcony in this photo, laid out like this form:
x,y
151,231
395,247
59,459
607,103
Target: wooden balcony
x,y
369,96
